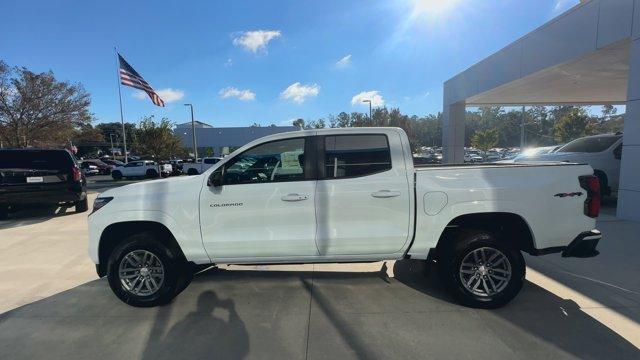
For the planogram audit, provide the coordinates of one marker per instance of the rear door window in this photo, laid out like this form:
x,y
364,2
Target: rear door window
x,y
35,159
356,155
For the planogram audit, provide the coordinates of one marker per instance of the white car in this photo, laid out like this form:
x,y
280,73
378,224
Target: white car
x,y
141,168
472,158
200,166
343,195
602,152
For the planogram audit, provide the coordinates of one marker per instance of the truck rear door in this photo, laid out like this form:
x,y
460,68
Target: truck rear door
x,y
363,194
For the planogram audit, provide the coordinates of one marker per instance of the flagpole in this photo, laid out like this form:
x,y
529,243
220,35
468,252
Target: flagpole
x,y
124,132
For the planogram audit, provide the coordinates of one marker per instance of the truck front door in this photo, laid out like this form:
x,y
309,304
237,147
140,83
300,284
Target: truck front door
x,y
265,205
363,195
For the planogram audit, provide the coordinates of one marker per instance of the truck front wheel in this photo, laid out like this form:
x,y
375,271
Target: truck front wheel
x,y
481,271
144,272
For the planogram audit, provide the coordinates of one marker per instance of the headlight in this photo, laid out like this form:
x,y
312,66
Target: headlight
x,y
100,202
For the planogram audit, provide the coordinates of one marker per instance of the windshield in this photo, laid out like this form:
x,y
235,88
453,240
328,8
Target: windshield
x,y
35,159
591,144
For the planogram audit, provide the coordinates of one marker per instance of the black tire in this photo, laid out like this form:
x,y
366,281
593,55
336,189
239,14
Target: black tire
x,y
464,244
176,276
82,205
152,174
116,175
192,172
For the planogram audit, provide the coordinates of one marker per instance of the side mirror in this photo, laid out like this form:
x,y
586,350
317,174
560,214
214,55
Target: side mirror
x,y
215,179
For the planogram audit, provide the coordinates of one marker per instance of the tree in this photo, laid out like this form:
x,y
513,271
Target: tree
x,y
608,111
299,123
485,140
156,139
115,128
573,124
37,109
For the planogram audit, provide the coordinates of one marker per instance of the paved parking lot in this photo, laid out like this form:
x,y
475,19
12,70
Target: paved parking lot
x,y
53,306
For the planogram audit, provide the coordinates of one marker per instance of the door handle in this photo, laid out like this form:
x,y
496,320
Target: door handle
x,y
385,194
294,197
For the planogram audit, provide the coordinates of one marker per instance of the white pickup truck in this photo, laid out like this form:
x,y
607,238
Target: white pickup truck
x,y
141,168
344,195
200,166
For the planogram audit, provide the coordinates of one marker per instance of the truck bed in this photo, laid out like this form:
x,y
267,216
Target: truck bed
x,y
530,190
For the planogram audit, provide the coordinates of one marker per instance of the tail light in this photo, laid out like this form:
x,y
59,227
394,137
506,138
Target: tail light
x,y
76,174
591,184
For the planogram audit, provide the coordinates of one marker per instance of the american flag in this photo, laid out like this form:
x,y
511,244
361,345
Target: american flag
x,y
130,77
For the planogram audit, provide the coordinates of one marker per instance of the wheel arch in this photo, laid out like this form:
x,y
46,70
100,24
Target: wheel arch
x,y
116,233
504,224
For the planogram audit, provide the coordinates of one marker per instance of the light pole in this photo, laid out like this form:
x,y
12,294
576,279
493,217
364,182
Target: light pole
x,y
193,133
370,117
111,138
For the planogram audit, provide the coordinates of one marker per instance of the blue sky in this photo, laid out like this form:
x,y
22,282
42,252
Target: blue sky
x,y
241,62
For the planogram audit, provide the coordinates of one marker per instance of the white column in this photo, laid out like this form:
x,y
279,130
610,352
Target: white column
x,y
453,132
629,190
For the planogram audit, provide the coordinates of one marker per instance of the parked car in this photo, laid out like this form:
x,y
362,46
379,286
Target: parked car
x,y
602,152
89,169
344,195
177,167
200,166
35,176
472,158
103,168
141,168
113,163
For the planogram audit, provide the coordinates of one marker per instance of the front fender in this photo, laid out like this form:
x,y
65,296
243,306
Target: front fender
x,y
189,240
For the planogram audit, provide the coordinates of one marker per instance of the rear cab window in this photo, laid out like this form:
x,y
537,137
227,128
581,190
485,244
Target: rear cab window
x,y
348,156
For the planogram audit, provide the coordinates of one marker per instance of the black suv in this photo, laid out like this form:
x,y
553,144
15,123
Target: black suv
x,y
34,176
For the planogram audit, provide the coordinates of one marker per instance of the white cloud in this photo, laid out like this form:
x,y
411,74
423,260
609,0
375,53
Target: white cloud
x,y
374,96
344,62
298,93
287,122
255,40
427,93
228,63
231,91
169,95
564,5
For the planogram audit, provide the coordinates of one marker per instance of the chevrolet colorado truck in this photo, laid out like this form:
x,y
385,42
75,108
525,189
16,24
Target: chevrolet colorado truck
x,y
344,195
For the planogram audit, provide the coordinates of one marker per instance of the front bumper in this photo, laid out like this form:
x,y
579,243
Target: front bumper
x,y
584,245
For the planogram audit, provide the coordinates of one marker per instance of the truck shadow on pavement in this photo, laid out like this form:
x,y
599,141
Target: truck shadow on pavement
x,y
232,314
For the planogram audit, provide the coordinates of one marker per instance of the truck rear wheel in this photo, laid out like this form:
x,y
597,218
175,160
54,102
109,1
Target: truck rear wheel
x,y
481,271
144,272
192,171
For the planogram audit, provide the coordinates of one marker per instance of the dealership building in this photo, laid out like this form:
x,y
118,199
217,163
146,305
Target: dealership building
x,y
223,140
589,55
